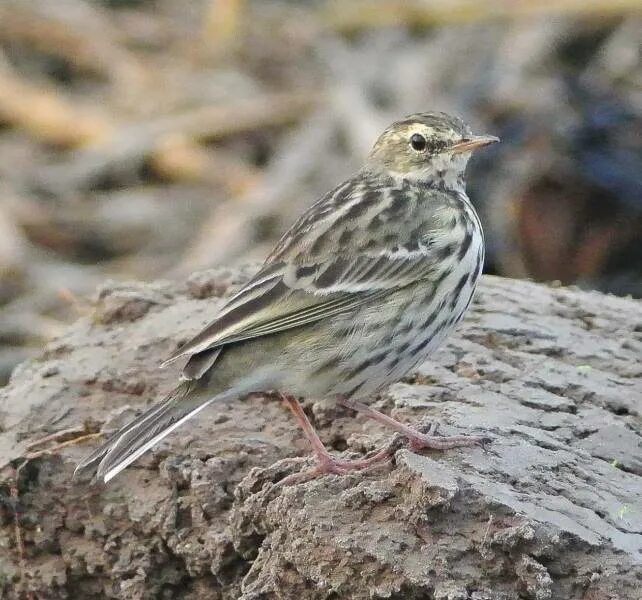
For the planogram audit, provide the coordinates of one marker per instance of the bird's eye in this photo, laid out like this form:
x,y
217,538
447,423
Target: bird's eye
x,y
418,142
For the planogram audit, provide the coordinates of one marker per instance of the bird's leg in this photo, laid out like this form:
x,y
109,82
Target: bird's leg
x,y
324,458
417,440
326,462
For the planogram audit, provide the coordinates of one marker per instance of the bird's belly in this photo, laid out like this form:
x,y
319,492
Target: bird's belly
x,y
357,354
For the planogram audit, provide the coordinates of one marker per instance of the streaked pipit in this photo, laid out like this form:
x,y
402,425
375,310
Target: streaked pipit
x,y
364,285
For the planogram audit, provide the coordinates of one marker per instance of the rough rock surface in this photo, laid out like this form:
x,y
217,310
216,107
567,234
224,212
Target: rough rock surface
x,y
552,509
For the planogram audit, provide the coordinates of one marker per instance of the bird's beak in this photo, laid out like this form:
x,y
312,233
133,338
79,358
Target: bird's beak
x,y
472,143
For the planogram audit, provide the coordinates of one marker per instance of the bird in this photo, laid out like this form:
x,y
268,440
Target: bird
x,y
365,284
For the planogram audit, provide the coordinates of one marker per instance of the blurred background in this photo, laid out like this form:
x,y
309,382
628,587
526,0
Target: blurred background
x,y
150,138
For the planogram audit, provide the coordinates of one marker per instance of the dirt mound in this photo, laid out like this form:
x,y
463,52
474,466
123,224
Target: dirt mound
x,y
552,509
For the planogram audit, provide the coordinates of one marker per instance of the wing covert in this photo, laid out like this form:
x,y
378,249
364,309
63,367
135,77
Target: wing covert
x,y
286,295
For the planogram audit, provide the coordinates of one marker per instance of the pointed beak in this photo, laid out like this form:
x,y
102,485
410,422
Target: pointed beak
x,y
473,142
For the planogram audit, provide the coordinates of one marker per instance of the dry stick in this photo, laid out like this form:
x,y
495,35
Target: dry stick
x,y
71,442
15,496
349,17
91,47
223,20
58,435
46,114
490,522
131,145
179,158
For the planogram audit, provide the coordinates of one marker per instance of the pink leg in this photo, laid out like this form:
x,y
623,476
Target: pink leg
x,y
417,440
326,462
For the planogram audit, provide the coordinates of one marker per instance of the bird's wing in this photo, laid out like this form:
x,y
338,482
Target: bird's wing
x,y
284,295
317,271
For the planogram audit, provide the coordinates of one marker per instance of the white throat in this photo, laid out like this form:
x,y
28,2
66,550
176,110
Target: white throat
x,y
445,170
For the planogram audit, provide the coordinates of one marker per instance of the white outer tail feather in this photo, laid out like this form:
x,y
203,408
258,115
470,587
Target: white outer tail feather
x,y
116,469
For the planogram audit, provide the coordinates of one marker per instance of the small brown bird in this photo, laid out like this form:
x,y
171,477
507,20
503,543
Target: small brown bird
x,y
364,285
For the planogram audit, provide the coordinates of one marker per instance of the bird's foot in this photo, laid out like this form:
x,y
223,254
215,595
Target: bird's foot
x,y
328,464
418,440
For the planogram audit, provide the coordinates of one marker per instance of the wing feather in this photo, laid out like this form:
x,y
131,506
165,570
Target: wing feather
x,y
301,284
340,284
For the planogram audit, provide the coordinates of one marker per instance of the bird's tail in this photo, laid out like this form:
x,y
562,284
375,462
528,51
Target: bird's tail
x,y
144,432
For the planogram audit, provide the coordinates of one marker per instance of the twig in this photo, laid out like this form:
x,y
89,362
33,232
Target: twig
x,y
348,17
73,442
488,526
91,46
178,158
15,497
46,114
129,147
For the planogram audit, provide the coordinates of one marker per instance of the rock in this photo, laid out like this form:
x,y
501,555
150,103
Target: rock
x,y
551,509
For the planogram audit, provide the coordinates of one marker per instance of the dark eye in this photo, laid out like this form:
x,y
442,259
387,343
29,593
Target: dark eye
x,y
418,142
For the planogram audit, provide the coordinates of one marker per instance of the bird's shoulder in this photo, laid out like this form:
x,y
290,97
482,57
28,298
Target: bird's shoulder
x,y
366,215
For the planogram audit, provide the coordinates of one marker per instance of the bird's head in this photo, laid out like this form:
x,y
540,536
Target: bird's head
x,y
427,147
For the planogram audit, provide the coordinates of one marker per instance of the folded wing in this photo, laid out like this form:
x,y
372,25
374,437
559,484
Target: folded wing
x,y
304,281
284,295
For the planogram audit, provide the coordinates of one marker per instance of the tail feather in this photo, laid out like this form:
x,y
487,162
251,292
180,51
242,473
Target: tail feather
x,y
144,432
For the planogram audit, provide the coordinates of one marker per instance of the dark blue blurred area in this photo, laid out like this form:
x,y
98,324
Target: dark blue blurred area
x,y
607,144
